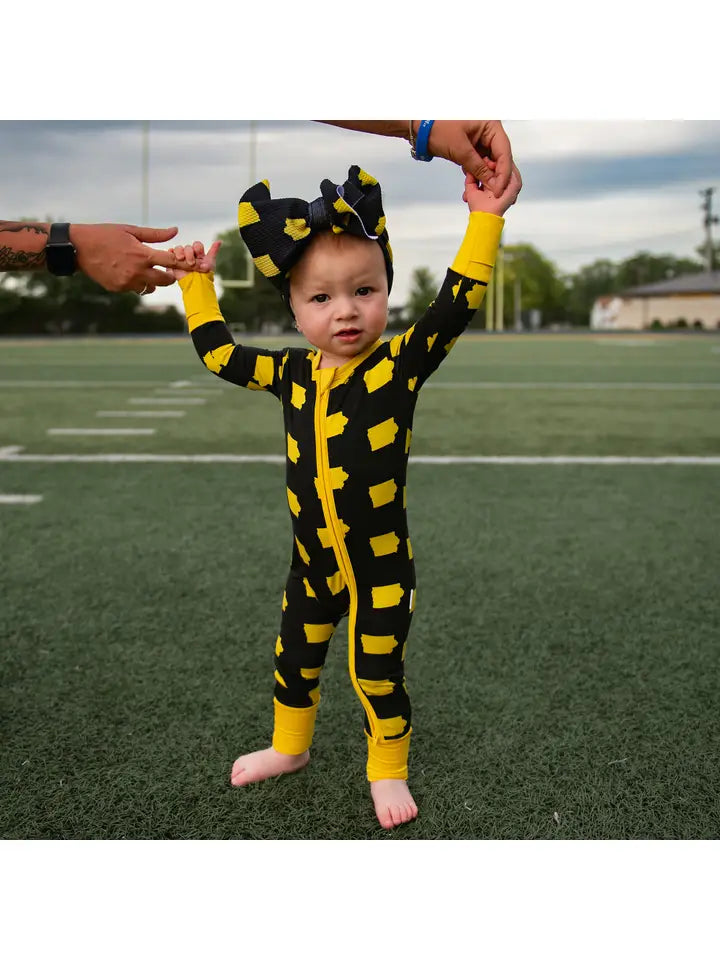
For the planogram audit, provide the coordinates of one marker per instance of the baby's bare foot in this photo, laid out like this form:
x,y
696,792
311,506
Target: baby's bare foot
x,y
393,803
264,764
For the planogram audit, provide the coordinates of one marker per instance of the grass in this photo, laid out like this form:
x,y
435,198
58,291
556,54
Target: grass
x,y
563,660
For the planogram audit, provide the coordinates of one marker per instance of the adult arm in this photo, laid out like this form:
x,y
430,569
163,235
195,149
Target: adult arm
x,y
464,142
115,255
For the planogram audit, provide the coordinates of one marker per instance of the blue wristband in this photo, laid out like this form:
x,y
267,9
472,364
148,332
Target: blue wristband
x,y
420,150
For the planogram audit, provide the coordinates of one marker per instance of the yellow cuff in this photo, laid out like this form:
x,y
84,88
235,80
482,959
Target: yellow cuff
x,y
388,759
476,256
200,299
294,728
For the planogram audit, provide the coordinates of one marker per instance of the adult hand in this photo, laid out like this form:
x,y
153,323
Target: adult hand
x,y
115,255
468,143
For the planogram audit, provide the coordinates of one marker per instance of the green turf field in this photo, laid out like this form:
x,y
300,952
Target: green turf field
x,y
564,660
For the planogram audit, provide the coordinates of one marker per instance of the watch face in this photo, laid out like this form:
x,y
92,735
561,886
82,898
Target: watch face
x,y
61,259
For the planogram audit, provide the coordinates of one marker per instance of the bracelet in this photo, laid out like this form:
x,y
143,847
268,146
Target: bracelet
x,y
419,145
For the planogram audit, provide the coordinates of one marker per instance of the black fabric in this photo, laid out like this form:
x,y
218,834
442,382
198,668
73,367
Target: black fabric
x,y
281,229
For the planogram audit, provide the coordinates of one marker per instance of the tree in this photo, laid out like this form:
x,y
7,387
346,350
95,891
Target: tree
x,y
423,288
249,307
540,285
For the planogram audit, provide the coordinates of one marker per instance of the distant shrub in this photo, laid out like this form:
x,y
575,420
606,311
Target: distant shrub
x,y
697,324
681,322
656,325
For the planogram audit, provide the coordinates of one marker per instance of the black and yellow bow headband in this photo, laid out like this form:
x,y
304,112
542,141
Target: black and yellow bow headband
x,y
277,232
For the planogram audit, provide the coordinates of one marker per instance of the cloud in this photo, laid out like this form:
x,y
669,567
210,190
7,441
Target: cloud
x,y
591,188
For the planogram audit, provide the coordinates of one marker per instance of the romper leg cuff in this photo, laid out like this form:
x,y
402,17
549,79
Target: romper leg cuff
x,y
294,728
388,759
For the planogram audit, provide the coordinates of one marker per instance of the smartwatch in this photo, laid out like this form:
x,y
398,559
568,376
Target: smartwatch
x,y
60,254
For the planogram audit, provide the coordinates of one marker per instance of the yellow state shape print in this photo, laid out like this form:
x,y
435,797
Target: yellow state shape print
x,y
293,450
431,340
324,536
366,178
310,673
304,555
456,289
284,600
449,346
379,375
475,295
335,424
408,333
387,596
280,680
247,214
408,440
264,370
335,583
297,396
314,694
395,344
383,493
412,383
338,478
254,386
376,688
385,544
216,359
309,592
318,632
409,546
296,229
278,646
265,265
382,434
379,645
391,726
293,502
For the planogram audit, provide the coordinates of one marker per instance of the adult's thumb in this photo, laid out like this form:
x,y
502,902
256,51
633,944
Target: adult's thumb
x,y
153,234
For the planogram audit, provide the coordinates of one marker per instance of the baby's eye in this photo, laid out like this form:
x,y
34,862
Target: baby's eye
x,y
363,291
320,297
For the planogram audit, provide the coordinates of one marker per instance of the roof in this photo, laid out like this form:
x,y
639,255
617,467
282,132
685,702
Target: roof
x,y
689,283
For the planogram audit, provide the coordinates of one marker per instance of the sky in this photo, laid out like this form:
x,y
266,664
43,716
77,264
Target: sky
x,y
591,189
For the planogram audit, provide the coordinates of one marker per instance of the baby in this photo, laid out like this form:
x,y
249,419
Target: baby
x,y
348,408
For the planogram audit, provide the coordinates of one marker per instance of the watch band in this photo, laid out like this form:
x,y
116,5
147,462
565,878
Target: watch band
x,y
60,254
419,149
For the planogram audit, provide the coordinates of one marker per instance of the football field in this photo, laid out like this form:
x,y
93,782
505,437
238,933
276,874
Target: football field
x,y
564,657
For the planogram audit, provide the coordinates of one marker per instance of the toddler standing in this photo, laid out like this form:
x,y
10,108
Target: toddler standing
x,y
348,408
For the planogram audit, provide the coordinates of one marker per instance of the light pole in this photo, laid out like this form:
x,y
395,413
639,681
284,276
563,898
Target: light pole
x,y
145,214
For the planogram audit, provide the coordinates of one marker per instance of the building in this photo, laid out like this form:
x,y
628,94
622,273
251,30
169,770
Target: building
x,y
694,299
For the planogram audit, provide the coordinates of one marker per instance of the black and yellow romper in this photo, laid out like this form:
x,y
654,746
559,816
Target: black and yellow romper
x,y
348,432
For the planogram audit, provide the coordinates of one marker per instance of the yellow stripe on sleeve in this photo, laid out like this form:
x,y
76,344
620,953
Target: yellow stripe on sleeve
x,y
476,256
200,299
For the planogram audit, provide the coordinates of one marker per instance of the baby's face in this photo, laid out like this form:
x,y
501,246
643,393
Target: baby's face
x,y
339,295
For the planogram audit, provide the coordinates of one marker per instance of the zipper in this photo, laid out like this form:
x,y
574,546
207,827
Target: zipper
x,y
322,398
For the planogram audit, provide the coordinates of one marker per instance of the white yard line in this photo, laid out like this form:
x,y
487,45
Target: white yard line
x,y
100,431
12,455
196,391
53,384
20,498
141,413
189,401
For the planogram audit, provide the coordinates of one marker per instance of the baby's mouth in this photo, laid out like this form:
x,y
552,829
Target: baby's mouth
x,y
349,333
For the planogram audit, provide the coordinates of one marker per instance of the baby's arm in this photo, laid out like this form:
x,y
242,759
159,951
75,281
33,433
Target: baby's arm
x,y
423,347
250,367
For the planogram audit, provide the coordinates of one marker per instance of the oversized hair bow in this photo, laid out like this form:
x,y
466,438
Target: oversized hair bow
x,y
277,232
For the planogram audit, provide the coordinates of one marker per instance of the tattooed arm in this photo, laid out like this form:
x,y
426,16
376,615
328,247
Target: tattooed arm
x,y
112,254
22,245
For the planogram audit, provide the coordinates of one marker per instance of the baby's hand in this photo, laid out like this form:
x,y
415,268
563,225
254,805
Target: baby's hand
x,y
193,258
478,197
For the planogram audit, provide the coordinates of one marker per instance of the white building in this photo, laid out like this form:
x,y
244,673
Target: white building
x,y
694,298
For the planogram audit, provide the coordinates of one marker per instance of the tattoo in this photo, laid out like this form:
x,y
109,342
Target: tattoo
x,y
12,259
16,226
